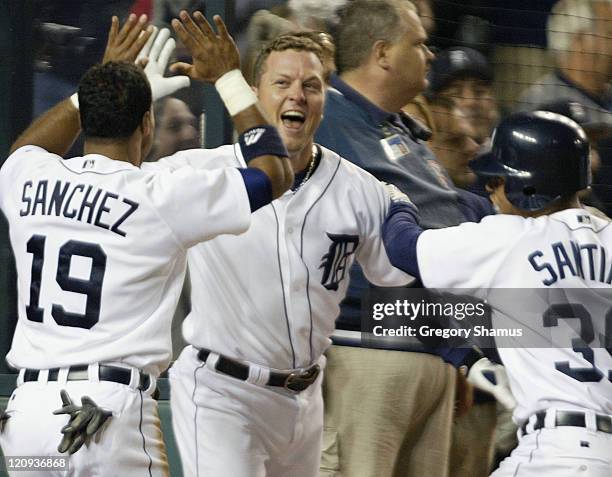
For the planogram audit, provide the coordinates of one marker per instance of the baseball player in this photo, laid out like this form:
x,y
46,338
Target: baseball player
x,y
246,393
544,240
100,248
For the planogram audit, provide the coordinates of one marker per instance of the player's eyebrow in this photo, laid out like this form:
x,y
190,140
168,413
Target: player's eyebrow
x,y
313,77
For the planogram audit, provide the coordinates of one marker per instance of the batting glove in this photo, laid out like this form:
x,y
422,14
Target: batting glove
x,y
158,50
491,377
84,422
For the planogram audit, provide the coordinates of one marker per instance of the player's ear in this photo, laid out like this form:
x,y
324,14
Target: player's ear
x,y
148,123
380,51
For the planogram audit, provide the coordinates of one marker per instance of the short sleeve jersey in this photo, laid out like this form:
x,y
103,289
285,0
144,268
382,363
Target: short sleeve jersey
x,y
100,248
570,250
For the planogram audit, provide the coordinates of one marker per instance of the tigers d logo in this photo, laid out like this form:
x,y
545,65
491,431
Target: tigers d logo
x,y
334,261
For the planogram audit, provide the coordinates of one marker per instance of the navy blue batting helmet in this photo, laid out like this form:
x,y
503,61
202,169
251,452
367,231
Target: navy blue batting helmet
x,y
541,156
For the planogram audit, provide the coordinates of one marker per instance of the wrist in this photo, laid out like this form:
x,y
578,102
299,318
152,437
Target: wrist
x,y
235,92
262,140
475,354
461,358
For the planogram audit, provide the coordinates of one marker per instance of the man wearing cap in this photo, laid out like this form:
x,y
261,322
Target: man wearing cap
x,y
464,75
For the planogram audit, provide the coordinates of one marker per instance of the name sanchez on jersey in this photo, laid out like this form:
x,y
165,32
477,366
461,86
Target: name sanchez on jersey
x,y
81,202
570,259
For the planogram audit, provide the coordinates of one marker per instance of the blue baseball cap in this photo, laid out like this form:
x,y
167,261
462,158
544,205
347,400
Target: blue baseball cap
x,y
457,62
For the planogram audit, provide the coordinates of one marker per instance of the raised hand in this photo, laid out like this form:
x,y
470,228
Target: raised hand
x,y
157,52
213,54
125,43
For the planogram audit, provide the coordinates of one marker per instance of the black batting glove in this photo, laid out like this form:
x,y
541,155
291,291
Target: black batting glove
x,y
84,422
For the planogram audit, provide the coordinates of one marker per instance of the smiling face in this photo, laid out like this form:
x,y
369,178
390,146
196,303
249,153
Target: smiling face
x,y
291,92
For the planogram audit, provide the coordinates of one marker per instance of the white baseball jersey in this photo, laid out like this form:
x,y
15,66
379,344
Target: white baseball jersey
x,y
570,250
271,295
100,247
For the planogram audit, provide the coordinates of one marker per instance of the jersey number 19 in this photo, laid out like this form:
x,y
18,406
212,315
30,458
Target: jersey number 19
x,y
91,287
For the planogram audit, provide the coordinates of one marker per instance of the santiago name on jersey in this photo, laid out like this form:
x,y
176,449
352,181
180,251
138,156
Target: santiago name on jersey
x,y
567,253
100,247
271,296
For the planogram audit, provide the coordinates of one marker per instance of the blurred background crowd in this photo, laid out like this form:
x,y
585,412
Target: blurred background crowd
x,y
493,57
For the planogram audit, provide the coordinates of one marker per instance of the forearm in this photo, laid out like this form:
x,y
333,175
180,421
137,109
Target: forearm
x,y
400,235
54,131
248,119
278,169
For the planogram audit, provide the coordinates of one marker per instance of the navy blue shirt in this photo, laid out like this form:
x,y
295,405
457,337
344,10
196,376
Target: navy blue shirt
x,y
354,128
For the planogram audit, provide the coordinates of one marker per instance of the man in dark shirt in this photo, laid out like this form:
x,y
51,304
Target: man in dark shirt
x,y
371,394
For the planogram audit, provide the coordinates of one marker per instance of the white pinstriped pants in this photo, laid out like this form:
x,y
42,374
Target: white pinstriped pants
x,y
227,427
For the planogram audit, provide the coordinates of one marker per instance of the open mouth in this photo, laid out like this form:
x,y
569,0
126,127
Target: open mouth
x,y
293,119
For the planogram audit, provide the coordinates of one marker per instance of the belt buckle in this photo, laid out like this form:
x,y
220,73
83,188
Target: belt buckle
x,y
300,380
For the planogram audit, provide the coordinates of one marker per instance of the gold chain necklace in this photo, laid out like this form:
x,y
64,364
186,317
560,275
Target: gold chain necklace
x,y
310,169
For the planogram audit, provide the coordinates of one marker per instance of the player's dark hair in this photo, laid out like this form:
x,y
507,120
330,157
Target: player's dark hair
x,y
113,98
283,43
363,23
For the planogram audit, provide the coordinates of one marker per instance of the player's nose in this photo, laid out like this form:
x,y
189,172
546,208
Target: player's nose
x,y
296,93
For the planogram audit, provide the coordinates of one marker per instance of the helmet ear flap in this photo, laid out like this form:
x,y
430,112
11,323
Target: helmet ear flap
x,y
526,196
529,190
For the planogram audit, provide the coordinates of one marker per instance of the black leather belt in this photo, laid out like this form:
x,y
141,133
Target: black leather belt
x,y
81,373
571,419
296,381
